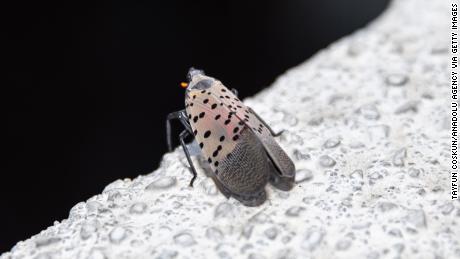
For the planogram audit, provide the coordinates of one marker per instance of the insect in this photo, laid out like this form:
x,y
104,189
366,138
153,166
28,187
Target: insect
x,y
238,145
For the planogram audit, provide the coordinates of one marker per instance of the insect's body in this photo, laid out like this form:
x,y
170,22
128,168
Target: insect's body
x,y
238,146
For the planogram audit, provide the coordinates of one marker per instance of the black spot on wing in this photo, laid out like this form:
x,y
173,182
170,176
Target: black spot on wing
x,y
207,134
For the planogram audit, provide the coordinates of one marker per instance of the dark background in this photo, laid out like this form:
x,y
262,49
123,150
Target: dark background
x,y
89,85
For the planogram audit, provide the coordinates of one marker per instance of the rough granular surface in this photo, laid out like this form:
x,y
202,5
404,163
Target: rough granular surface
x,y
366,122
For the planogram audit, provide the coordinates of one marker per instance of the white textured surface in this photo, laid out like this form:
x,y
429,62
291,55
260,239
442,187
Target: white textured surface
x,y
367,125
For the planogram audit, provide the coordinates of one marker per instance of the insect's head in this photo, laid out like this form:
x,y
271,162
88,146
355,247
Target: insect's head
x,y
197,80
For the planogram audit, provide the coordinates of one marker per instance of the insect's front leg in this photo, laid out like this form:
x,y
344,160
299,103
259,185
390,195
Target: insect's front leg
x,y
182,117
266,125
182,136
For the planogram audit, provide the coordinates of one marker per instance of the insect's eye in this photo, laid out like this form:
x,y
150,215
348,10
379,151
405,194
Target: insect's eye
x,y
203,84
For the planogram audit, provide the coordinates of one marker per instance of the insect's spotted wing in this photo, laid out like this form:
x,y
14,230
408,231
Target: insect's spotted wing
x,y
211,124
230,146
280,159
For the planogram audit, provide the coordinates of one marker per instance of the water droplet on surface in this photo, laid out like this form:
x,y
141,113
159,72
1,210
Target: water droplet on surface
x,y
332,142
214,233
373,255
326,161
379,132
271,233
117,184
300,156
343,245
223,210
162,183
355,48
247,231
138,208
78,211
136,243
312,239
93,206
396,80
447,208
395,232
357,174
286,253
294,211
290,119
43,256
399,157
286,239
386,206
413,172
256,256
209,187
88,228
46,241
117,235
370,112
260,217
96,254
184,239
316,121
399,248
361,225
167,254
410,106
416,218
303,175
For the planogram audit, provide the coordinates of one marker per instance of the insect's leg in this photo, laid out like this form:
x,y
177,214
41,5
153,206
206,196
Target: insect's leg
x,y
235,92
171,116
266,125
180,115
184,120
183,135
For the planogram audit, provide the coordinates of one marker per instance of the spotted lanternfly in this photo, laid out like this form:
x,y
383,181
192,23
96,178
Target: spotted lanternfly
x,y
238,145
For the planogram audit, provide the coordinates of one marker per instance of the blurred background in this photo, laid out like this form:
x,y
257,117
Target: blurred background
x,y
90,85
